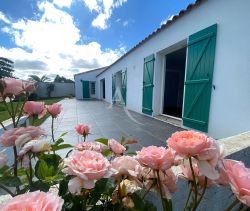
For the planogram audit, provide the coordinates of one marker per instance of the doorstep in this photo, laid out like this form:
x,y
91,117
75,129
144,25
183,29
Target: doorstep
x,y
168,119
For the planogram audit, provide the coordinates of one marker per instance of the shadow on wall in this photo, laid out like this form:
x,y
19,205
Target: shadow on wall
x,y
47,89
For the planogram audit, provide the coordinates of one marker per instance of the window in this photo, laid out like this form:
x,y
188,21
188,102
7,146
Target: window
x,y
92,88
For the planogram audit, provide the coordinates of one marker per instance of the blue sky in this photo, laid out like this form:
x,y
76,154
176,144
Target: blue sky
x,y
70,36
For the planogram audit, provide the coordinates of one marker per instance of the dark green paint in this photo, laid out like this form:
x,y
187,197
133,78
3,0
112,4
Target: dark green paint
x,y
113,87
199,77
148,85
85,89
124,87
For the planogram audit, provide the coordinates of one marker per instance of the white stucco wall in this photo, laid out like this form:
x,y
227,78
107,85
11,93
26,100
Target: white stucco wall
x,y
87,76
230,101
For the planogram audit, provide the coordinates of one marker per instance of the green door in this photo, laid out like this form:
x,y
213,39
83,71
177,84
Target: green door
x,y
199,76
148,85
124,87
113,87
85,89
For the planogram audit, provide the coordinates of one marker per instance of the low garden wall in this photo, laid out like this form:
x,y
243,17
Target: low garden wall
x,y
59,90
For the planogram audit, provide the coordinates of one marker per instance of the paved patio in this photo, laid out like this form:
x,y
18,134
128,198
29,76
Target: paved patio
x,y
109,122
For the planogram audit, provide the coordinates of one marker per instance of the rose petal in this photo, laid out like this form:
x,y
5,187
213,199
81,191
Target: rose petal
x,y
208,170
75,185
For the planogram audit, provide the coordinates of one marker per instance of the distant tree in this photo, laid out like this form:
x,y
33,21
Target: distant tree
x,y
61,79
6,67
36,78
50,89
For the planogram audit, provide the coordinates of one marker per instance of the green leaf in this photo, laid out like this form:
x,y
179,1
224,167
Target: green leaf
x,y
107,152
42,170
63,186
58,141
62,146
5,170
141,204
123,140
168,204
63,134
131,153
10,181
39,185
102,186
48,169
102,140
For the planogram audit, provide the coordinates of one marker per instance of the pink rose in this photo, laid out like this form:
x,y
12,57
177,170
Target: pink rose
x,y
188,143
28,86
54,109
9,137
32,108
90,146
88,166
239,179
193,144
34,201
147,179
168,182
186,173
19,136
116,147
82,129
12,87
157,158
124,166
3,159
35,146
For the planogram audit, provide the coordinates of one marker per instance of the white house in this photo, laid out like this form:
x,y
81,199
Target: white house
x,y
195,68
85,84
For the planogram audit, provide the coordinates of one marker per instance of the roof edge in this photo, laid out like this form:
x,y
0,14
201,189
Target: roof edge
x,y
157,31
92,70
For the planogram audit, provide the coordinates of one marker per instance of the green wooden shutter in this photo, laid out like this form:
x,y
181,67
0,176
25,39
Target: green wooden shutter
x,y
124,87
199,76
85,89
113,87
148,85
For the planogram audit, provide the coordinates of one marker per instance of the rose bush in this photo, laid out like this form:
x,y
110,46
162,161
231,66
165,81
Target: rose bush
x,y
104,174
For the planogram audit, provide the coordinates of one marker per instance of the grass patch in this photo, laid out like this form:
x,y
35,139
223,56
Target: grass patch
x,y
4,115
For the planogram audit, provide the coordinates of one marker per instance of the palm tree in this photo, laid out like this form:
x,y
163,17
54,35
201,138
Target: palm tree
x,y
36,78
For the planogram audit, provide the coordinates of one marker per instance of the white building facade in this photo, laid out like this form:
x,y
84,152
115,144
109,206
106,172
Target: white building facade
x,y
195,68
85,84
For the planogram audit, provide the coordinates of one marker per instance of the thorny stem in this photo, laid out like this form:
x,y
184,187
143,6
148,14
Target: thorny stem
x,y
13,115
202,194
234,203
30,168
159,184
7,190
3,126
15,164
7,108
188,197
52,129
147,191
194,183
20,113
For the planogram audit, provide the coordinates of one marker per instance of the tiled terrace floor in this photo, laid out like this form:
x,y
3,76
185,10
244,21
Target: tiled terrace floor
x,y
109,122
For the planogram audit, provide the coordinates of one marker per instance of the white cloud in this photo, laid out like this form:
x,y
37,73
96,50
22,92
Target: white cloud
x,y
104,8
170,17
63,3
125,23
50,45
92,5
4,18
